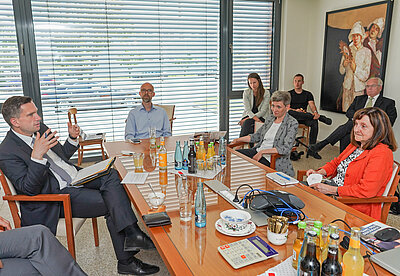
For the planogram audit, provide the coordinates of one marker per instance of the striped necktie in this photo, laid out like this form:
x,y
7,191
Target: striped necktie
x,y
57,169
369,103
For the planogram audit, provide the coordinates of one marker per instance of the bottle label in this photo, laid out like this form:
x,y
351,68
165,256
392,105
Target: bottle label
x,y
354,243
185,164
163,160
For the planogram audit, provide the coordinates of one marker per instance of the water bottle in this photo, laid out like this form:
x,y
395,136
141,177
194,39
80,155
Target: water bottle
x,y
200,207
221,150
185,162
178,156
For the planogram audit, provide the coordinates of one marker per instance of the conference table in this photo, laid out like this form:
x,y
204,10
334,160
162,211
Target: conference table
x,y
188,250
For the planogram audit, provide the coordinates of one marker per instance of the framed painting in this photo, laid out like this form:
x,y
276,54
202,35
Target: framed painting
x,y
355,49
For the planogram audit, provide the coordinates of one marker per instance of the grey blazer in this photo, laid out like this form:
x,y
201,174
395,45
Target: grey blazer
x,y
263,109
283,142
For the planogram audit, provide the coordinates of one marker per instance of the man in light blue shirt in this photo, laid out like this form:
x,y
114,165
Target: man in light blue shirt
x,y
145,116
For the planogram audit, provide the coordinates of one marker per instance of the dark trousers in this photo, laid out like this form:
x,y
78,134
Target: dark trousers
x,y
105,196
248,126
251,152
307,119
342,134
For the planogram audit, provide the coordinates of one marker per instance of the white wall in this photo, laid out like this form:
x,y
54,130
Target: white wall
x,y
302,44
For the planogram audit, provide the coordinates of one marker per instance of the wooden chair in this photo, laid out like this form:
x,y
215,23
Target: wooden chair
x,y
305,134
170,109
386,199
86,143
67,226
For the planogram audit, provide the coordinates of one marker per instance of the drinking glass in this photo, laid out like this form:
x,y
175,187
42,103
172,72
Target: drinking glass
x,y
185,198
152,135
138,162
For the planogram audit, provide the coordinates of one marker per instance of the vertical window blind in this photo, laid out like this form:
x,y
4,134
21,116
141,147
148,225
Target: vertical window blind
x,y
10,74
252,50
94,55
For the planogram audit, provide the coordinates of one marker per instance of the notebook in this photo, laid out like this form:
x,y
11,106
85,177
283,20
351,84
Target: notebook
x,y
389,260
89,173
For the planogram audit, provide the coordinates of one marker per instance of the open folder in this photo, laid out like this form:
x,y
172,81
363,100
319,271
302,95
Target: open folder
x,y
89,173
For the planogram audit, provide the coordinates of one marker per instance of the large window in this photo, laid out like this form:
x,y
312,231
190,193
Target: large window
x,y
94,55
10,77
252,51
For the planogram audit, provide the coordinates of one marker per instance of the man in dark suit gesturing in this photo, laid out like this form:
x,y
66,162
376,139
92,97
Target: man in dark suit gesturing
x,y
36,163
372,98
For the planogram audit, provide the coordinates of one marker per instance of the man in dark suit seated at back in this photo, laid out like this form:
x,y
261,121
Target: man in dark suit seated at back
x,y
371,98
36,163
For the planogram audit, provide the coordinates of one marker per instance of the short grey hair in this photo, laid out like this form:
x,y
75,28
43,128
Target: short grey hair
x,y
281,96
380,82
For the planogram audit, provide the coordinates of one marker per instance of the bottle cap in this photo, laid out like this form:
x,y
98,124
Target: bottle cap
x,y
302,225
318,224
312,233
316,230
334,236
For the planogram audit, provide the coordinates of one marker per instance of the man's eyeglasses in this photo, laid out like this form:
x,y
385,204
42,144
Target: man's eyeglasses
x,y
372,86
146,90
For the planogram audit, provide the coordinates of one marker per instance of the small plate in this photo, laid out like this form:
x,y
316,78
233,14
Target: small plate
x,y
247,231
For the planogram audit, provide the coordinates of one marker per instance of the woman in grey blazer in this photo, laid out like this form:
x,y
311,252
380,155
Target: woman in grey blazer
x,y
275,136
256,104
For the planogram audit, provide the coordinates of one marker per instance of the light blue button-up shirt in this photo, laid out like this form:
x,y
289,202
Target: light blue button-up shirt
x,y
139,122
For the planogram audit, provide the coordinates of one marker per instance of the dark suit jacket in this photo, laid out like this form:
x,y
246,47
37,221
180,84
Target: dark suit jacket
x,y
32,178
386,104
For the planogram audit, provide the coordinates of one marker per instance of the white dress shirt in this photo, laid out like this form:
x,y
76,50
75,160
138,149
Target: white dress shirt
x,y
71,170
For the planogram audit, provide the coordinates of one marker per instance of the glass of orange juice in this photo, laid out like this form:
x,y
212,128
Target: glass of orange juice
x,y
138,162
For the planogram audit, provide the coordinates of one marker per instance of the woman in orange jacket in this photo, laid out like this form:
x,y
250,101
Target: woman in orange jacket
x,y
365,167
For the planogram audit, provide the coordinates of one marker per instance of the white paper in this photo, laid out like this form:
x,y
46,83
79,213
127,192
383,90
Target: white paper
x,y
135,178
284,268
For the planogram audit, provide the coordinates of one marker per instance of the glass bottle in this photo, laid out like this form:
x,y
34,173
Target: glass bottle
x,y
317,228
201,152
309,264
178,156
192,158
353,262
212,149
331,265
209,157
200,206
221,150
333,229
162,156
298,242
185,162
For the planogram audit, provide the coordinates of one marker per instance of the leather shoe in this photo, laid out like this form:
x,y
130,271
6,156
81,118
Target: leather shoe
x,y
313,154
314,147
137,267
325,120
137,242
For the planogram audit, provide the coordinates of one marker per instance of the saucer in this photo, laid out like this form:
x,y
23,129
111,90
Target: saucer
x,y
247,231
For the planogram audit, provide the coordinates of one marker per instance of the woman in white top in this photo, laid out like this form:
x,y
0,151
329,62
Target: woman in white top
x,y
256,104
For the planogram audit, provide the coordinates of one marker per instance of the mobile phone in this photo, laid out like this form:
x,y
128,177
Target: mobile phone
x,y
135,141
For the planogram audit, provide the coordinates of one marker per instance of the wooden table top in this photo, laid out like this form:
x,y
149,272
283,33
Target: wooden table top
x,y
187,249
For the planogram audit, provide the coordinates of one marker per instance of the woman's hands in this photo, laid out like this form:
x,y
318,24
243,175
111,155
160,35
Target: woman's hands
x,y
325,189
242,121
320,171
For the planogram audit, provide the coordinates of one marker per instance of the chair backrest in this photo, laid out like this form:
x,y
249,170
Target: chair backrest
x,y
390,188
72,114
170,110
14,205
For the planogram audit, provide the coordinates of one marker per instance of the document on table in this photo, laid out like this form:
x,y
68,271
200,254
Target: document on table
x,y
135,178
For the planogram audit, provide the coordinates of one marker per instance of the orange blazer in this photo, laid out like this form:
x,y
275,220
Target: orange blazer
x,y
366,176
